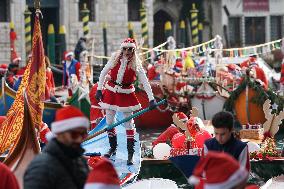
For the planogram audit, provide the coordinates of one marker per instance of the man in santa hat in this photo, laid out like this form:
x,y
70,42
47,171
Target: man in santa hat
x,y
119,92
71,67
168,134
61,165
221,171
224,140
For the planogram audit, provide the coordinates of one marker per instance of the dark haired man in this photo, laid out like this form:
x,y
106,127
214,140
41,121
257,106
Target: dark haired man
x,y
224,141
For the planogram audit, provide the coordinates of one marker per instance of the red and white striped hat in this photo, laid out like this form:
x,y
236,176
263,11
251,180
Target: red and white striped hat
x,y
69,118
129,42
213,165
103,176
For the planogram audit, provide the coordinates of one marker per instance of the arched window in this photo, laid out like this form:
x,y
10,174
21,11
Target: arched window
x,y
4,11
90,6
134,10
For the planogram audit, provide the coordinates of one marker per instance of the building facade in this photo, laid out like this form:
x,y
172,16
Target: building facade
x,y
239,22
245,22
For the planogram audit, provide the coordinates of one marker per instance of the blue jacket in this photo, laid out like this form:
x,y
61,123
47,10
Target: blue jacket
x,y
234,147
73,69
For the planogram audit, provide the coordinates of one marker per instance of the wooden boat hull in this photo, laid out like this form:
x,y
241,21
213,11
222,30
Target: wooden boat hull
x,y
154,118
8,95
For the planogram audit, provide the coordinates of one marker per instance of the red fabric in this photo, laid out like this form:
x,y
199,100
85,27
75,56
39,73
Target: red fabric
x,y
43,132
119,99
178,140
68,112
261,75
128,77
252,187
104,173
21,71
166,135
50,82
180,85
95,113
152,74
8,179
78,66
130,134
282,74
213,165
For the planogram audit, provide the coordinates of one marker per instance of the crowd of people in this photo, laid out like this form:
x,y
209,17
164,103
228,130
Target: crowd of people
x,y
62,164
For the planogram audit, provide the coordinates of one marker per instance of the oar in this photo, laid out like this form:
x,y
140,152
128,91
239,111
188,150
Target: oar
x,y
124,120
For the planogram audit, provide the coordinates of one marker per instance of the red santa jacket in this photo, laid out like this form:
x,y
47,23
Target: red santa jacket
x,y
8,179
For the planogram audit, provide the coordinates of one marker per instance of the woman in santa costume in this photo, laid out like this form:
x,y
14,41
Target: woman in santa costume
x,y
118,93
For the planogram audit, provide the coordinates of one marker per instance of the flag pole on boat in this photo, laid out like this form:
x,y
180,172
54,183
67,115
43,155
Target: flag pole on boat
x,y
125,120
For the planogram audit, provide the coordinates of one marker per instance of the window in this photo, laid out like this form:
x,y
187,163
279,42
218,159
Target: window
x,y
90,6
235,31
4,11
255,30
134,10
275,27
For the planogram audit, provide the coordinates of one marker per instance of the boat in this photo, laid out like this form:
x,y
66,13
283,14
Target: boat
x,y
8,95
24,149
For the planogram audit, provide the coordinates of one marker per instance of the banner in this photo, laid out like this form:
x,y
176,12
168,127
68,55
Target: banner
x,y
255,5
33,84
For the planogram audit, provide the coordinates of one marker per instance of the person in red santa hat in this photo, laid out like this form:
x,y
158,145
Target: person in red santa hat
x,y
71,67
61,163
103,176
118,93
256,71
221,171
168,134
282,78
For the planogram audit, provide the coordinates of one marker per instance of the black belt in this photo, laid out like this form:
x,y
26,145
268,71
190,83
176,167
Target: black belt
x,y
121,84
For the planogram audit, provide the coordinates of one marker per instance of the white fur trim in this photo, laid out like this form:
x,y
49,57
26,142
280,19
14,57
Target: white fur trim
x,y
184,119
96,107
120,109
239,176
193,180
101,186
121,70
69,124
127,45
49,136
69,54
118,89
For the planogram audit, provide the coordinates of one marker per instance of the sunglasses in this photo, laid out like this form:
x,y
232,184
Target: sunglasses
x,y
129,49
77,134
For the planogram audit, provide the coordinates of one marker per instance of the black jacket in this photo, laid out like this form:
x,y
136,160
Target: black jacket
x,y
56,168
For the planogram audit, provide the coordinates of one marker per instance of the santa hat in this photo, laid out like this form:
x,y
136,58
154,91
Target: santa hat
x,y
69,118
181,116
14,56
102,176
213,165
70,53
129,42
178,65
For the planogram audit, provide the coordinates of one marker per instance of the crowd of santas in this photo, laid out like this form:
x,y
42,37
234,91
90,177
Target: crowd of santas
x,y
184,134
194,68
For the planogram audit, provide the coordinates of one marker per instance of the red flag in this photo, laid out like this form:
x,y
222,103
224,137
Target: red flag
x,y
33,83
